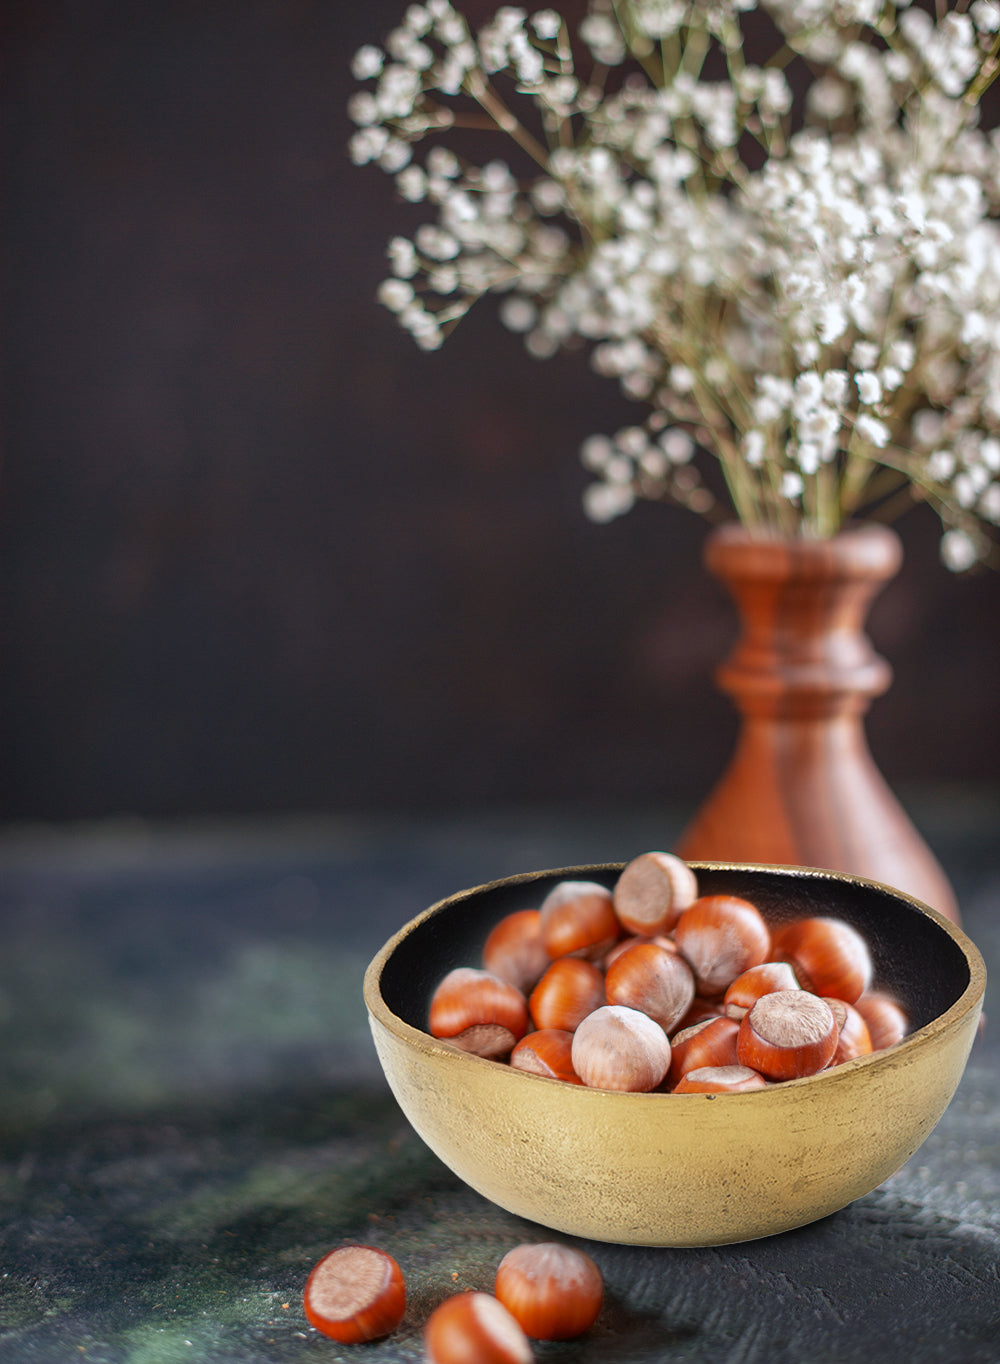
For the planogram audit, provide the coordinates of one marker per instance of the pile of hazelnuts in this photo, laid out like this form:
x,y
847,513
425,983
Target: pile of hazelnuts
x,y
650,986
546,1291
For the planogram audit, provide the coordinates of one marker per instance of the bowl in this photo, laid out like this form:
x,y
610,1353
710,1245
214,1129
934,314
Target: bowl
x,y
681,1169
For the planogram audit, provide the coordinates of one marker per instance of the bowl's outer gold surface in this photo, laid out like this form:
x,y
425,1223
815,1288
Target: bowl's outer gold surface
x,y
678,1170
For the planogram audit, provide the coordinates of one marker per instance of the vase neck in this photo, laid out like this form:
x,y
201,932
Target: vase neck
x,y
802,650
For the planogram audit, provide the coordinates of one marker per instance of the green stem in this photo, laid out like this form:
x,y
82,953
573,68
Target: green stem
x,y
988,73
856,478
828,511
738,478
507,122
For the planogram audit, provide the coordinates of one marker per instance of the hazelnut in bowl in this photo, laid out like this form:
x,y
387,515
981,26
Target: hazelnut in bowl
x,y
739,1147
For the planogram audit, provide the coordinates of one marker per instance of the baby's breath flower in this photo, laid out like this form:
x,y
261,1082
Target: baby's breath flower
x,y
403,257
864,355
443,279
682,379
677,445
604,501
927,427
395,155
368,62
835,387
363,109
792,486
989,504
808,456
823,314
958,550
632,441
412,184
828,98
546,23
986,15
518,314
396,294
596,452
659,18
653,463
754,448
604,38
940,465
366,145
436,243
443,161
872,430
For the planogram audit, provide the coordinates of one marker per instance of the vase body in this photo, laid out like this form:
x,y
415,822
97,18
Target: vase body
x,y
802,788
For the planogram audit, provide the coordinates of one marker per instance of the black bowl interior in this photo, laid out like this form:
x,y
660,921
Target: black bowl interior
x,y
914,956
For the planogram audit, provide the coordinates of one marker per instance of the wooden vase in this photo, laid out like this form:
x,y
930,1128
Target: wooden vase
x,y
802,788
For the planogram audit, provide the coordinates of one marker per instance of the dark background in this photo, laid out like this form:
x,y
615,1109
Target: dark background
x,y
258,552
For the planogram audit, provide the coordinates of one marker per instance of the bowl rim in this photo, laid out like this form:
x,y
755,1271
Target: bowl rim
x,y
380,1011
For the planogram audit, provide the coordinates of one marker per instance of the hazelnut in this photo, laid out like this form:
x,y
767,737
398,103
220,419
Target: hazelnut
x,y
554,1291
712,1042
479,1012
747,988
570,989
887,1021
355,1294
853,1038
828,956
651,892
720,1080
623,944
548,1052
514,950
578,919
654,981
620,1048
474,1328
721,936
787,1034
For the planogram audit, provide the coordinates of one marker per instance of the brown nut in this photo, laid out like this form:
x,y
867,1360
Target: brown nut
x,y
554,1291
721,936
651,892
828,956
578,919
620,1048
712,1042
787,1034
747,988
355,1294
548,1052
623,944
886,1019
514,950
853,1037
474,1328
654,981
570,989
478,1012
720,1080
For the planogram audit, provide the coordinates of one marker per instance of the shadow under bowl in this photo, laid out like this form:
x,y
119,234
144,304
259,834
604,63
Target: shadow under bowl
x,y
681,1169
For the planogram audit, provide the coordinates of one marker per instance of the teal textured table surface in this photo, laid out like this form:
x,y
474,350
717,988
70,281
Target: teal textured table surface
x,y
192,1113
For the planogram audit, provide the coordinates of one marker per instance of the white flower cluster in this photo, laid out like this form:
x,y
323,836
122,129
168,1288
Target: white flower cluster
x,y
804,292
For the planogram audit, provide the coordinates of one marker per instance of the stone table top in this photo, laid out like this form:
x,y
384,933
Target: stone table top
x,y
192,1113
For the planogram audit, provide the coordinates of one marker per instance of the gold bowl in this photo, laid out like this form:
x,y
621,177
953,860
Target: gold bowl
x,y
681,1169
